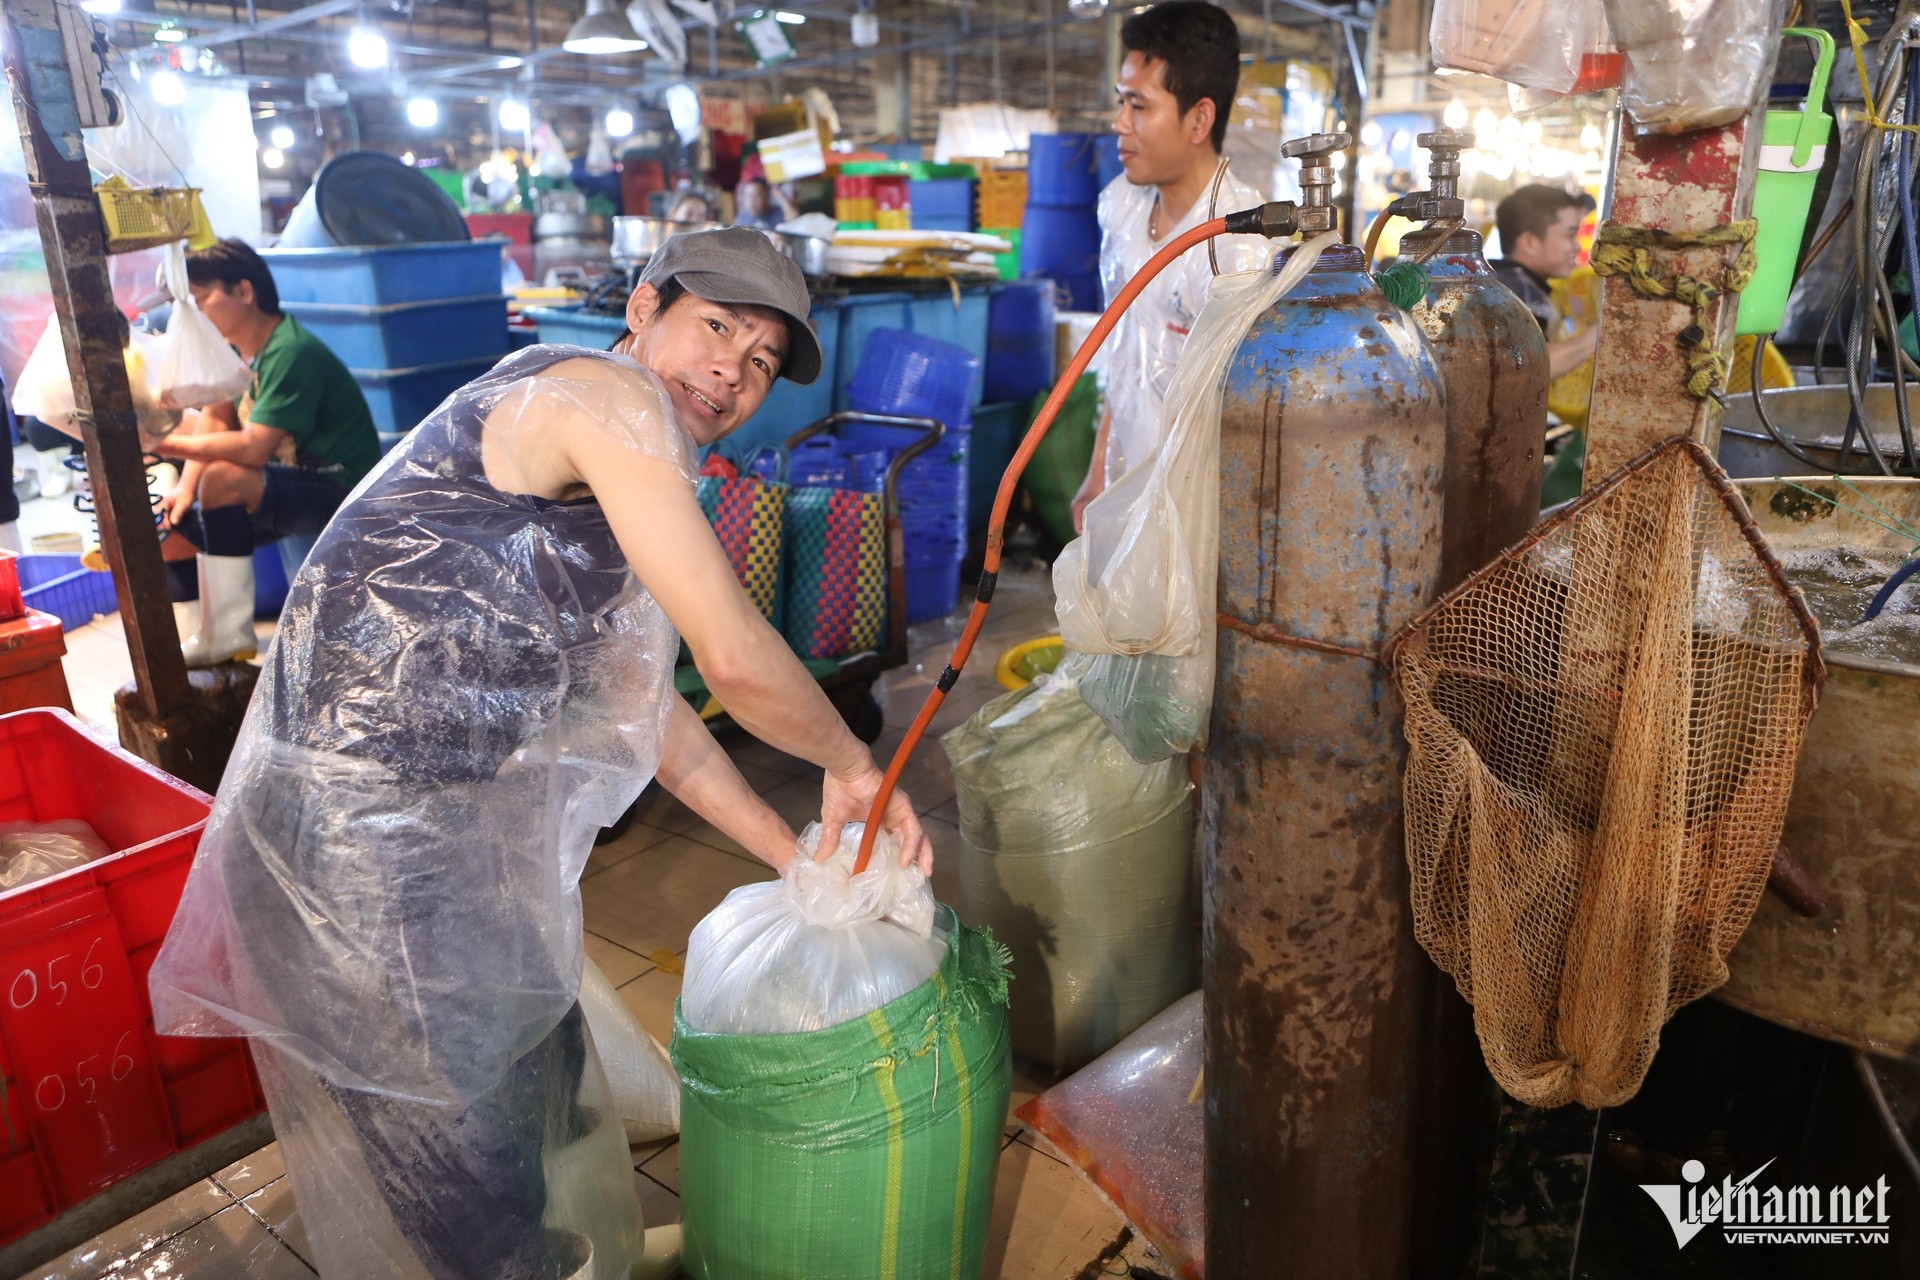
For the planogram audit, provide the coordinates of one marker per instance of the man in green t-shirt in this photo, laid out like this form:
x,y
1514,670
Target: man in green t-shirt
x,y
276,463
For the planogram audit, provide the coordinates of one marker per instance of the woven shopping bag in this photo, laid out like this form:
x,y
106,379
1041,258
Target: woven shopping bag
x,y
748,514
836,572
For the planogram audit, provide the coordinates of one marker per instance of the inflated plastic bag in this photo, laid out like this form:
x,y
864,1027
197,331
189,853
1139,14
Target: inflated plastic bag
x,y
197,367
1692,64
862,1150
646,1093
1135,593
1538,44
45,390
1080,860
1134,1123
31,851
816,948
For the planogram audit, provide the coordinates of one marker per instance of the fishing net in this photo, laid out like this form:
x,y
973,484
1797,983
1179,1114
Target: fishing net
x,y
1603,726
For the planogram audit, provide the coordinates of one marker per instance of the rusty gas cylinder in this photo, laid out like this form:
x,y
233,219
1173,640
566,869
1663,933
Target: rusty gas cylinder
x,y
1332,451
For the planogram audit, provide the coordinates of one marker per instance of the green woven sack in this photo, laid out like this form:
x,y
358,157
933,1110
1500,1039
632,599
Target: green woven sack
x,y
866,1151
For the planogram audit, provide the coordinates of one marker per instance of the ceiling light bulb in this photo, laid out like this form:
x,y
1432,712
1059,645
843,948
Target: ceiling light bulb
x,y
1530,132
866,29
406,157
169,90
514,116
602,31
791,18
509,64
169,35
1590,137
619,122
282,137
1371,134
423,113
1455,116
366,48
100,7
273,157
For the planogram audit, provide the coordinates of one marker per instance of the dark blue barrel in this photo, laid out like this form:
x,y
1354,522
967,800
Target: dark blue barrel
x,y
1062,169
1020,340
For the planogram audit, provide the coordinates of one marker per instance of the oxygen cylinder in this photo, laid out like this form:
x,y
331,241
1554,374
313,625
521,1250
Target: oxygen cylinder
x,y
1333,436
1493,360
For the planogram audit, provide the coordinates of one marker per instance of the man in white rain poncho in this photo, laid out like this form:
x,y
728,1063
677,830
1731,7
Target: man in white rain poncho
x,y
473,675
1177,82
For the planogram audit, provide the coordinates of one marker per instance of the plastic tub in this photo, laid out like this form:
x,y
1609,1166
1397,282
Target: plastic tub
x,y
93,1094
371,198
12,603
406,335
1062,169
61,586
377,276
1020,323
1019,665
571,326
401,398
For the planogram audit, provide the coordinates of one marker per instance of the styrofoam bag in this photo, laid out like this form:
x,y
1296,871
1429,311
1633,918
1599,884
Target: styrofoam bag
x,y
1135,593
197,368
646,1089
816,948
45,388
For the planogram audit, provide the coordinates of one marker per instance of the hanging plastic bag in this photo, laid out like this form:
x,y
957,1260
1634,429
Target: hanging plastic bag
x,y
1135,593
196,367
816,948
646,1093
1079,858
1692,64
45,390
1532,43
1133,1122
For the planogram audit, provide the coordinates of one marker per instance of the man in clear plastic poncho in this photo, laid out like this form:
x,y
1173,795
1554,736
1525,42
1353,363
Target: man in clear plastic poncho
x,y
473,675
1177,82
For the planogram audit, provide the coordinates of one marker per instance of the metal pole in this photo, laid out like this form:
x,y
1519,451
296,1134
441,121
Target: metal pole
x,y
73,238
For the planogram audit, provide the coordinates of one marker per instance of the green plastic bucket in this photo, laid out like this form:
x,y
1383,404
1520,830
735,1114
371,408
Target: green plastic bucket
x,y
1792,149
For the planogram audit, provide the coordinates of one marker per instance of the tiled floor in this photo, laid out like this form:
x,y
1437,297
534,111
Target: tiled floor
x,y
643,894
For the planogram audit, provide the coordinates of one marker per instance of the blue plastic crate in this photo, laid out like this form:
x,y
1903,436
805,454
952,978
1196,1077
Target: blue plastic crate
x,y
941,204
914,375
407,335
379,275
60,586
933,587
570,326
962,322
401,398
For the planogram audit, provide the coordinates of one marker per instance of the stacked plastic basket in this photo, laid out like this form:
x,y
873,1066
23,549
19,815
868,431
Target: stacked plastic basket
x,y
912,375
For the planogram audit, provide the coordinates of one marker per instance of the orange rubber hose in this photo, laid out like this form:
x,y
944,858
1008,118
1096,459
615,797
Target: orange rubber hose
x,y
1003,501
1379,224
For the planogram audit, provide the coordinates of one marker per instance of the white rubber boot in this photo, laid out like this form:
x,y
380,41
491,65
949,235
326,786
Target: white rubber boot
x,y
225,633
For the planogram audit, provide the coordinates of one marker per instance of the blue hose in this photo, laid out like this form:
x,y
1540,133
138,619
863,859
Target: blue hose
x,y
1893,584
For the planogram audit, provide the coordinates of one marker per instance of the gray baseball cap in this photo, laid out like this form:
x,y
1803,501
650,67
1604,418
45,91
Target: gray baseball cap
x,y
740,266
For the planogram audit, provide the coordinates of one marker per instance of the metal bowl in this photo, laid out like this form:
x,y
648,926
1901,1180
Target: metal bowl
x,y
1815,419
638,239
809,253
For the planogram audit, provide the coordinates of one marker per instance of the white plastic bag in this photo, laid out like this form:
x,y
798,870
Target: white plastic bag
x,y
31,851
1692,64
646,1089
1135,593
196,367
816,948
1532,43
45,390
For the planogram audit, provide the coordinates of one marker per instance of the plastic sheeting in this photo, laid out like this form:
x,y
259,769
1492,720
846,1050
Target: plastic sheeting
x,y
466,685
1134,1123
816,948
1138,360
1135,593
646,1093
1080,861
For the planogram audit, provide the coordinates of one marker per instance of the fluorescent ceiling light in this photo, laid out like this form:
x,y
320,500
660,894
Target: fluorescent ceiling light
x,y
100,7
423,113
508,64
366,48
514,116
169,35
619,122
791,18
600,31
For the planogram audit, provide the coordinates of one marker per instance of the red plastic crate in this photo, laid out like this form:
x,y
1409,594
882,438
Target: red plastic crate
x,y
89,1094
12,603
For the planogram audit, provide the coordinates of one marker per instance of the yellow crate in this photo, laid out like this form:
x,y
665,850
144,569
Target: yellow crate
x,y
146,217
1002,197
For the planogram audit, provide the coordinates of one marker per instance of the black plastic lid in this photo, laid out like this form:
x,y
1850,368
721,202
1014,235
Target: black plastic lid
x,y
370,198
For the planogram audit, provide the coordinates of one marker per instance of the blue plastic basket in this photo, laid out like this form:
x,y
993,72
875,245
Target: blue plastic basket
x,y
401,398
961,321
59,585
408,335
933,587
916,376
379,275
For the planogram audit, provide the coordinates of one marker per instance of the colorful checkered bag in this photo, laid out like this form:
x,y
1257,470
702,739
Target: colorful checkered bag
x,y
836,572
747,513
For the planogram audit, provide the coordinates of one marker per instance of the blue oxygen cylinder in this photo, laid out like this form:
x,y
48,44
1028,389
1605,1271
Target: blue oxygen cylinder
x,y
1332,448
